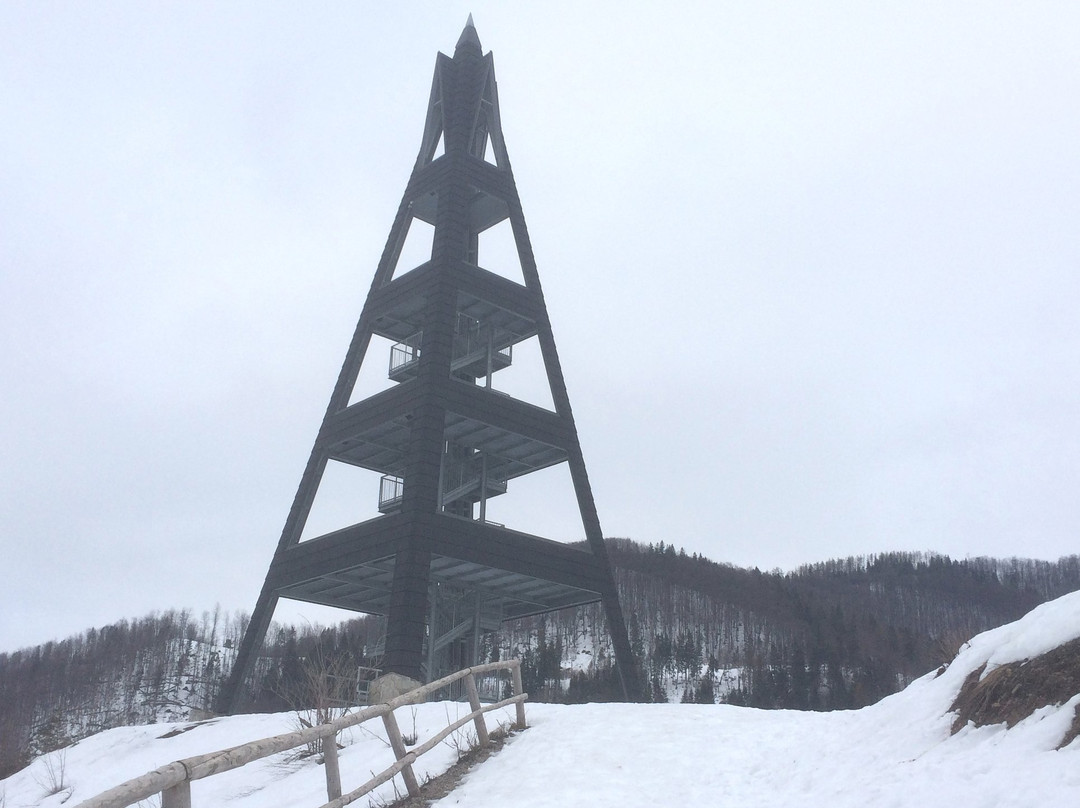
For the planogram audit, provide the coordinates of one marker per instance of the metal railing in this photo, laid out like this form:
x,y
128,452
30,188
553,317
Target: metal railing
x,y
349,691
481,347
364,677
391,490
479,471
404,354
173,781
471,342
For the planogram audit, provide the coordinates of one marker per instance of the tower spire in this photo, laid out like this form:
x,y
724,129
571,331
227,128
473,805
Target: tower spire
x,y
469,38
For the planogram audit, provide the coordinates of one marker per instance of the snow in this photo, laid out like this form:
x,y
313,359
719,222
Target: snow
x,y
114,756
1044,628
894,754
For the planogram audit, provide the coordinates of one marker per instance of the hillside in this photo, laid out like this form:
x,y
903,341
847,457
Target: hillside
x,y
911,749
839,634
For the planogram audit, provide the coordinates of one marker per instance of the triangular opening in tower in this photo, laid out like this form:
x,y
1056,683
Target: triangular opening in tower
x,y
541,503
381,360
497,252
416,247
519,370
347,495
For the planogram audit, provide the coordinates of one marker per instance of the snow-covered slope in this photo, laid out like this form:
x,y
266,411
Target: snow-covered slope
x,y
898,752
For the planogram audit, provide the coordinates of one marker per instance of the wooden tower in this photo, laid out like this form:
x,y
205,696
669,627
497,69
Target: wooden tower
x,y
443,438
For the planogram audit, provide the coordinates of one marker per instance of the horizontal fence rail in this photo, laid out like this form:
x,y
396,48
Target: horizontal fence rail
x,y
173,781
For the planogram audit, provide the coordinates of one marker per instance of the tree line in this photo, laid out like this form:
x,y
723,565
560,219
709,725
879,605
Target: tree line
x,y
838,634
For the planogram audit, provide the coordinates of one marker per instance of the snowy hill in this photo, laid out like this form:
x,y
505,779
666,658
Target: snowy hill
x,y
899,752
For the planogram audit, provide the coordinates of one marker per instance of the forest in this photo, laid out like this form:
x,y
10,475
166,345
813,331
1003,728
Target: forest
x,y
837,634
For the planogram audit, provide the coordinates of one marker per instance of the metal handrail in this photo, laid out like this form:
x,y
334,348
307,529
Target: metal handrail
x,y
471,336
173,781
391,491
405,352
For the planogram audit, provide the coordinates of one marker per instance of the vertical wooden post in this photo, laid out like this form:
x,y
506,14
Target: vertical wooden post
x,y
333,771
474,701
398,745
518,690
179,796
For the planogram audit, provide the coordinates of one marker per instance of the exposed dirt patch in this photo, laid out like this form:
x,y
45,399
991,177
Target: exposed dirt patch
x,y
1012,692
438,787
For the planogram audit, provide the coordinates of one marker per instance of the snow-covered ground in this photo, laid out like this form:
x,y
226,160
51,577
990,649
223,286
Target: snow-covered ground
x,y
896,753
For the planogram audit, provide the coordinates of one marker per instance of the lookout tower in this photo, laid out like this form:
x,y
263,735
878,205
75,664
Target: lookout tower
x,y
442,436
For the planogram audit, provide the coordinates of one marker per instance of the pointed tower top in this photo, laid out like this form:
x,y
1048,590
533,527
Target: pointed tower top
x,y
469,38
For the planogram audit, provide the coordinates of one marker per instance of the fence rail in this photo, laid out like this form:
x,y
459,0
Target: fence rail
x,y
173,781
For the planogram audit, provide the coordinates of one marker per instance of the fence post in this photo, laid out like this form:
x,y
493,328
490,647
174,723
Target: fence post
x,y
179,796
518,690
474,703
333,772
398,745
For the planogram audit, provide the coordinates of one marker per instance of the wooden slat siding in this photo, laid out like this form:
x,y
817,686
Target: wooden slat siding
x,y
318,568
386,298
371,539
331,560
586,590
447,534
427,179
471,541
368,414
374,598
493,288
330,591
433,121
487,179
230,695
407,614
353,602
508,414
498,147
511,613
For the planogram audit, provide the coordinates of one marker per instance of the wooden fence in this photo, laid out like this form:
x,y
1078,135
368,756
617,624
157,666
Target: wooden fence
x,y
173,781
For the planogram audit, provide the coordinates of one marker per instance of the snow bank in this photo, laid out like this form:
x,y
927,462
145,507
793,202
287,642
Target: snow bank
x,y
895,754
109,758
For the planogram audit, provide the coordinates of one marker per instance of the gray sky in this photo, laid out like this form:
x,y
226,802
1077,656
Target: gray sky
x,y
812,270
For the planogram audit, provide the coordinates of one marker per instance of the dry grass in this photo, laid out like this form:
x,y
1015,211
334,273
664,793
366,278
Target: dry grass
x,y
1012,692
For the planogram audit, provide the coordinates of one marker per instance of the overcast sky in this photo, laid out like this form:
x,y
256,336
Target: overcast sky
x,y
813,270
